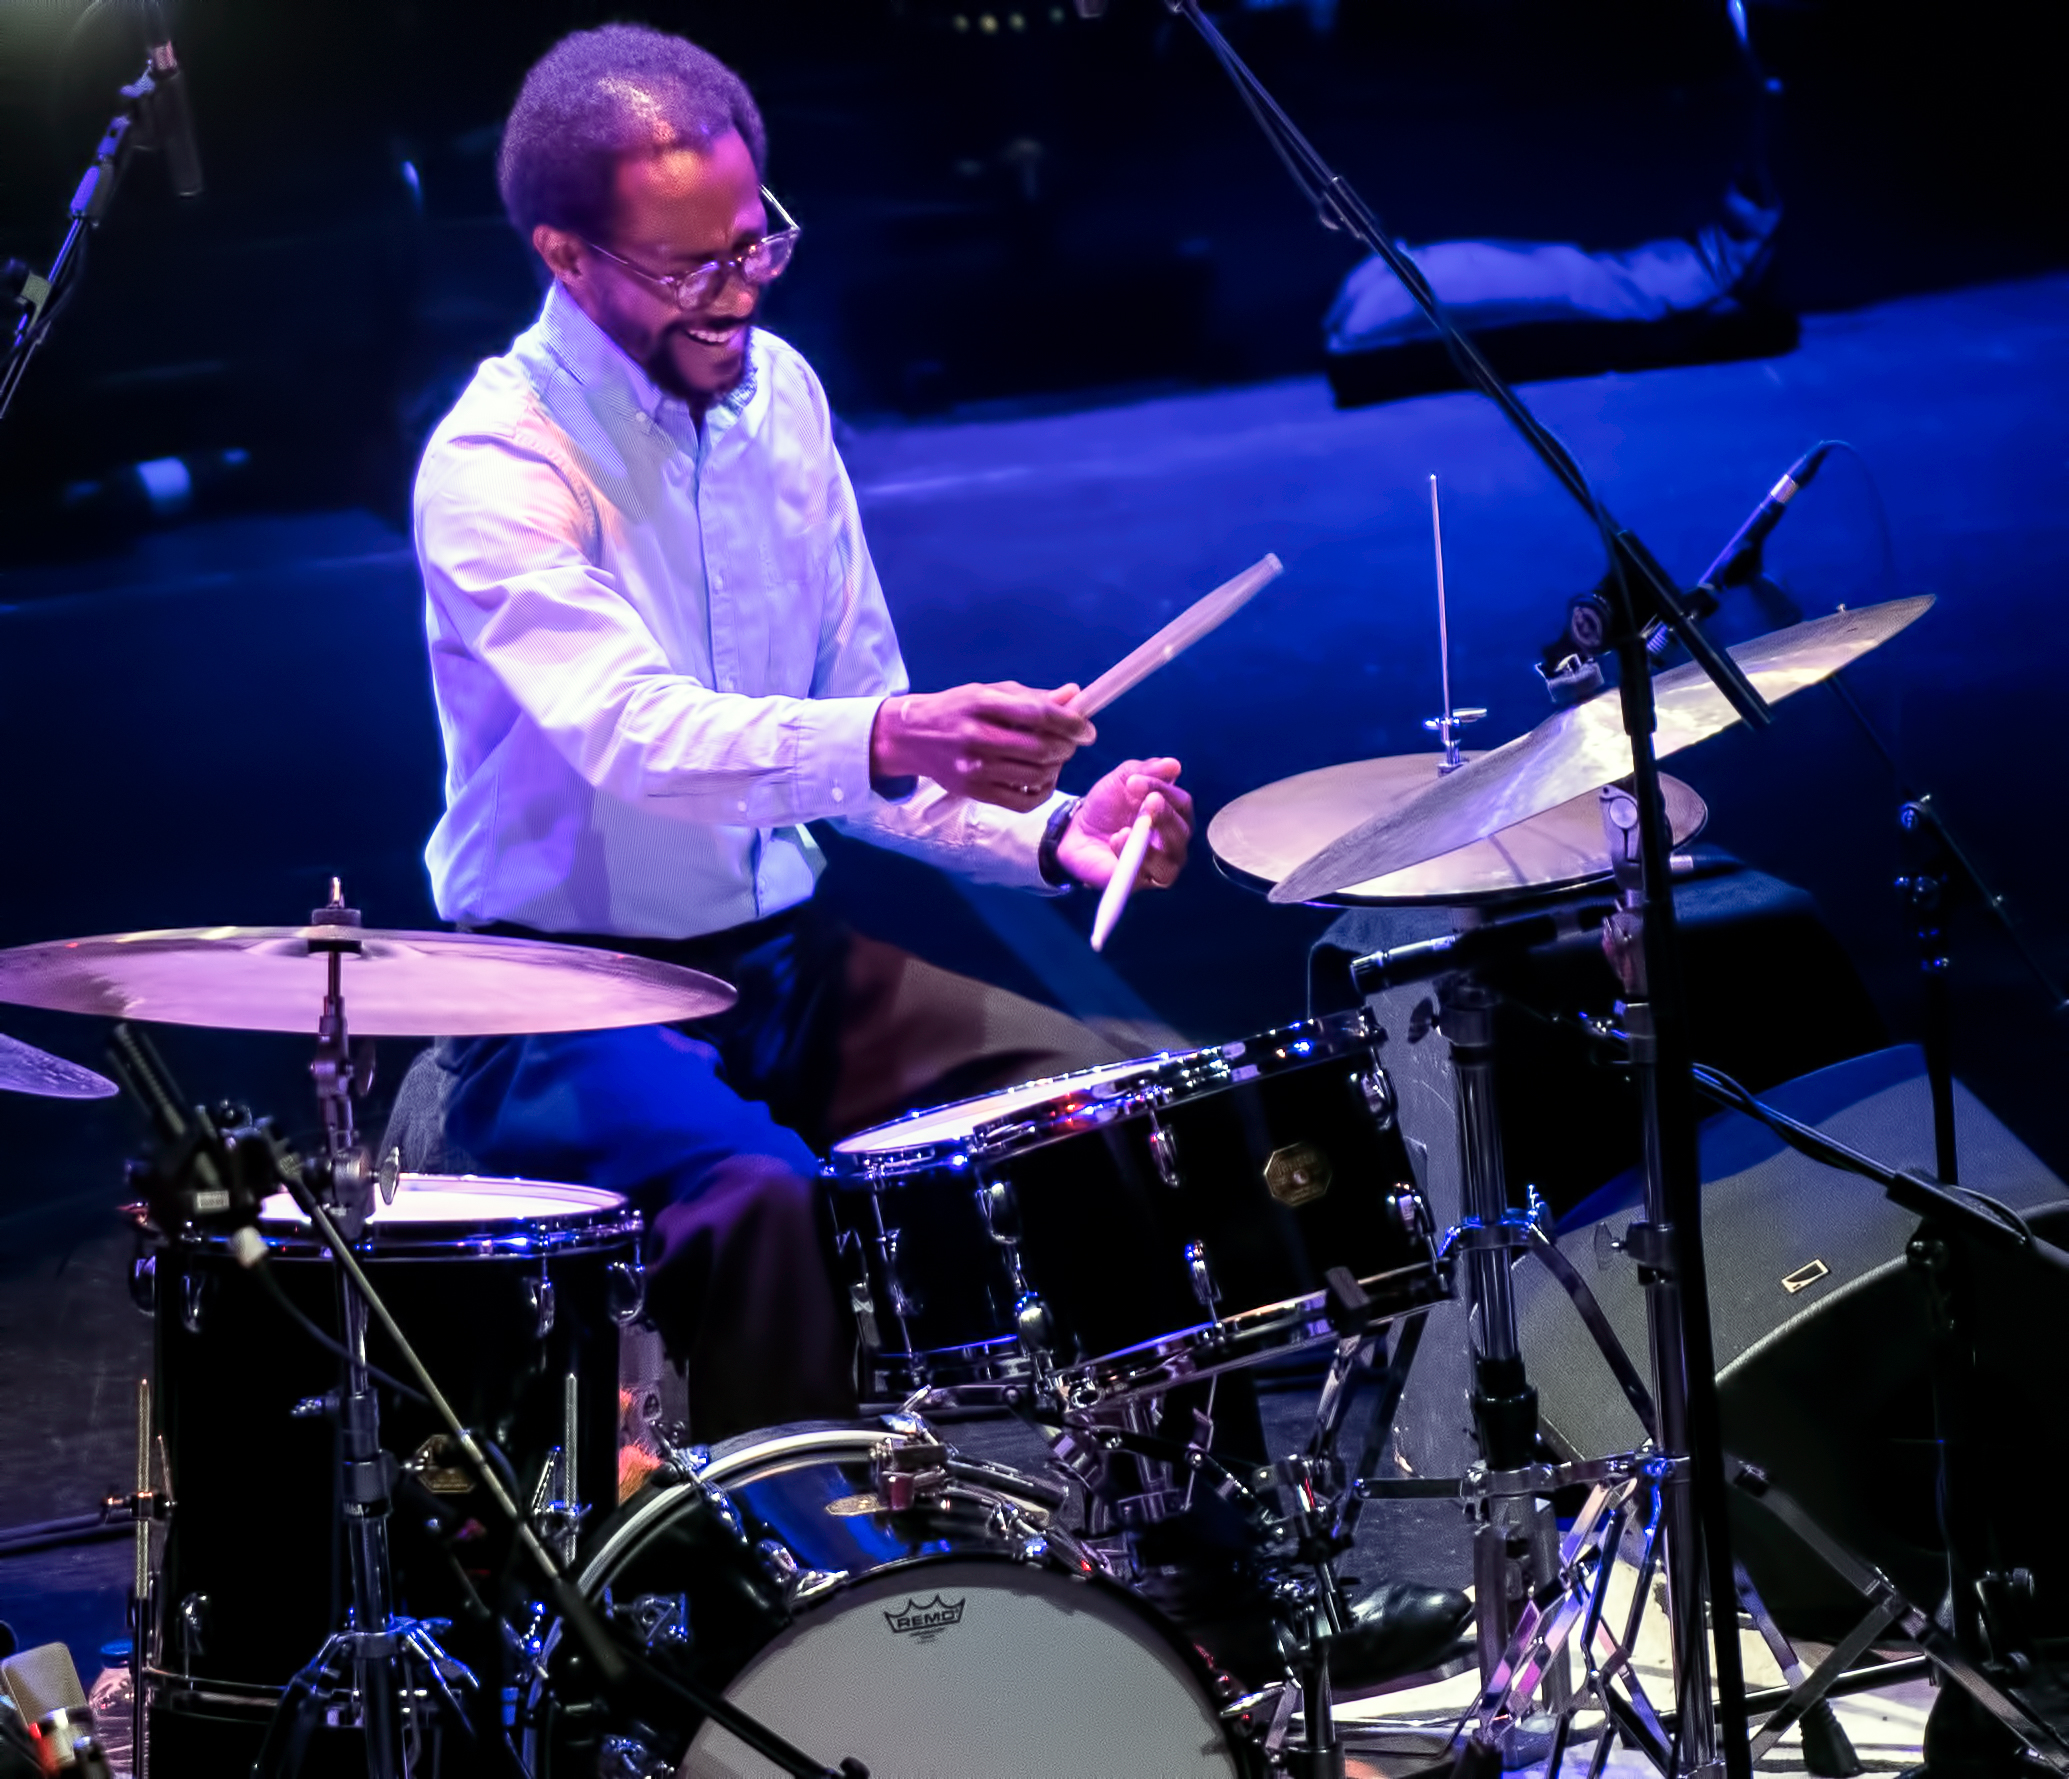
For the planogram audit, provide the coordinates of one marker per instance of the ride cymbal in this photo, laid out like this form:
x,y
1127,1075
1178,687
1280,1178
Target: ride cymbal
x,y
1583,748
1266,833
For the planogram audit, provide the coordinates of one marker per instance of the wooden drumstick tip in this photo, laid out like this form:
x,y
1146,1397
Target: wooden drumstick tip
x,y
1114,898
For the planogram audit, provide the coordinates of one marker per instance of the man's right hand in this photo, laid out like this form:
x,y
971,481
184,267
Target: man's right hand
x,y
1000,744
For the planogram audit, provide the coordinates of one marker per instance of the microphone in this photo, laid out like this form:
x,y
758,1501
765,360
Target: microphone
x,y
1737,562
1478,946
172,119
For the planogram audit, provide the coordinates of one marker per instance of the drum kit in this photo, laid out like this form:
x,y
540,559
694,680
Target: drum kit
x,y
453,1578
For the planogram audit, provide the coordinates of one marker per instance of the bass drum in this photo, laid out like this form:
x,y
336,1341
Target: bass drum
x,y
949,1637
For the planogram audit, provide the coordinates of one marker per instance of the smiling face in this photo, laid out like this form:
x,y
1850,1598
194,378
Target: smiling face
x,y
672,210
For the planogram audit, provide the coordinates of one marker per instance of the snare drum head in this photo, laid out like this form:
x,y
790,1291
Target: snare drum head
x,y
954,1129
462,1201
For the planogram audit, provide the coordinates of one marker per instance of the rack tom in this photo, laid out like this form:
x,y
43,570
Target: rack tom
x,y
1128,1227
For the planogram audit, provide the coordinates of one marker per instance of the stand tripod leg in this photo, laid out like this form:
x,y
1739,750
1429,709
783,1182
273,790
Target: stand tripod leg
x,y
1888,1606
1826,1750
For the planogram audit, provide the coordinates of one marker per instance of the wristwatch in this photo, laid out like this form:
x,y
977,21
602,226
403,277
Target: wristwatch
x,y
1052,869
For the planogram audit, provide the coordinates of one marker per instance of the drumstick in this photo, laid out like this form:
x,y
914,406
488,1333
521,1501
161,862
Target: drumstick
x,y
1176,637
1126,868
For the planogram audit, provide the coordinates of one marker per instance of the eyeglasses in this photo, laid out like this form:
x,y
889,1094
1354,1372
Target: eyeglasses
x,y
759,262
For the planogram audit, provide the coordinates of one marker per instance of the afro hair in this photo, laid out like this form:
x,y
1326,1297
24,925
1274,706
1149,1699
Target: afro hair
x,y
597,96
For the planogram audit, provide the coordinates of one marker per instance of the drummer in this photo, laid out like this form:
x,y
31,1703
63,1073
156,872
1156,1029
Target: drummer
x,y
659,649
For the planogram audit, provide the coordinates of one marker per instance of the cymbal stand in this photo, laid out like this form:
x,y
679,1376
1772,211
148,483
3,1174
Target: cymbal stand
x,y
381,1652
346,1186
1515,1544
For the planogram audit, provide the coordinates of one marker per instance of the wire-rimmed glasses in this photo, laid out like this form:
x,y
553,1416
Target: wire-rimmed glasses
x,y
759,262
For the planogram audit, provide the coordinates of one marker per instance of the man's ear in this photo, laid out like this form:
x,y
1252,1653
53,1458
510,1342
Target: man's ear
x,y
561,251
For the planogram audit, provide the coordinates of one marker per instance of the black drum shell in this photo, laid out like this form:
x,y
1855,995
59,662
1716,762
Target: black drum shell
x,y
1103,1237
254,1529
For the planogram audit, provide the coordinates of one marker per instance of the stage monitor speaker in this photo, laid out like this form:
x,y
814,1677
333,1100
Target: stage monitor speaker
x,y
1818,1321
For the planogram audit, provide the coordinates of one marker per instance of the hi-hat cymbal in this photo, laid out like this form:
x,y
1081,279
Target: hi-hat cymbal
x,y
25,1069
1583,748
396,984
1266,833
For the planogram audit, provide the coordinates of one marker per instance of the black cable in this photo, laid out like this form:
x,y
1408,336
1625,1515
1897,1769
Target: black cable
x,y
264,1273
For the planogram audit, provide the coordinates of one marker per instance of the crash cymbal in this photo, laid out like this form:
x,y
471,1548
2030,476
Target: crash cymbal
x,y
396,984
1583,748
25,1069
1266,833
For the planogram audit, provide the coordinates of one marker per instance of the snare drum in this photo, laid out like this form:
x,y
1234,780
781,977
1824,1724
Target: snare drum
x,y
507,1288
1135,1225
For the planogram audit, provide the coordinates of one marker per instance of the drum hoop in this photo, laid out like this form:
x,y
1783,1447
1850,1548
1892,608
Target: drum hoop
x,y
560,1232
723,1469
1269,1331
1166,1081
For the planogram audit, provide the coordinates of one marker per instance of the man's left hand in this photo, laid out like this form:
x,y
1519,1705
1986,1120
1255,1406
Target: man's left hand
x,y
1091,845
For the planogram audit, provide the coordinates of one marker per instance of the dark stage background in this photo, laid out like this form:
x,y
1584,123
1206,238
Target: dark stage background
x,y
1069,313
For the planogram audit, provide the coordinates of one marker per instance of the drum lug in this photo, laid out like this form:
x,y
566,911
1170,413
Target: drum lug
x,y
629,1757
1202,1271
1408,1206
1375,1087
801,1586
193,1626
1000,1209
658,1620
1163,1150
539,1298
192,1287
625,1291
864,1307
143,1281
1033,1323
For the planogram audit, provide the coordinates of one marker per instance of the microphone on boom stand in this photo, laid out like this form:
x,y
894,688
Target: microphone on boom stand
x,y
1567,663
1739,561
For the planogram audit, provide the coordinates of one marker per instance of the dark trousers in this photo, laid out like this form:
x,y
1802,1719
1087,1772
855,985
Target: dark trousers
x,y
713,1129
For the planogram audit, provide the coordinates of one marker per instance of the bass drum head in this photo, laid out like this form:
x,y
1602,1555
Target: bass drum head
x,y
938,1639
986,1670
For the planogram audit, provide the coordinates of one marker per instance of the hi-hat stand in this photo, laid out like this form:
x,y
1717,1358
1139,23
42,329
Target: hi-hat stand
x,y
1640,594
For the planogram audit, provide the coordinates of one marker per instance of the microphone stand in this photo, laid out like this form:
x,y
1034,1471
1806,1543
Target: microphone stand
x,y
1640,592
40,296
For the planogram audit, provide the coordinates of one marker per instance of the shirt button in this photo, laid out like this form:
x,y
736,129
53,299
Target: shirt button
x,y
641,419
839,795
743,809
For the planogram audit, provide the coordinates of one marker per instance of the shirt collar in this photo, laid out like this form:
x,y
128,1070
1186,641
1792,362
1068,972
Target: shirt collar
x,y
598,363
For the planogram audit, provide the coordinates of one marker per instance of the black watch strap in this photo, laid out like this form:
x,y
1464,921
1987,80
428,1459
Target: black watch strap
x,y
1052,869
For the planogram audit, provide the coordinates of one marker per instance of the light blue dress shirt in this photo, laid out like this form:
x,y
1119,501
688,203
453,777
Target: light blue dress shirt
x,y
658,650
